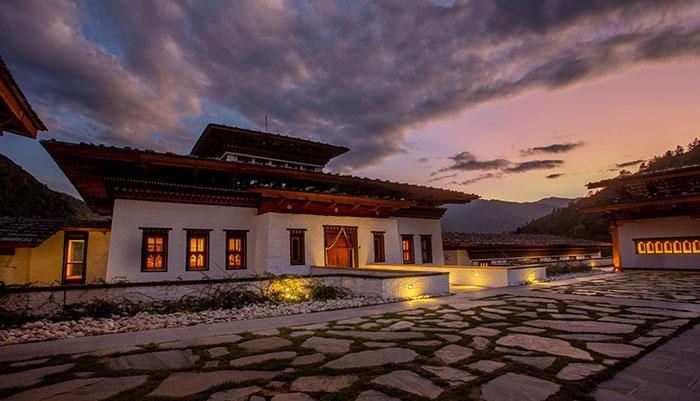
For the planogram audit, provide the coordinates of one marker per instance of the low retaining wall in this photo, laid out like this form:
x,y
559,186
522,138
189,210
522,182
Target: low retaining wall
x,y
388,283
52,300
491,276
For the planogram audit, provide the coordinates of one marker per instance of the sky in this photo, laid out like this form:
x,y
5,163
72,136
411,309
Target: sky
x,y
509,99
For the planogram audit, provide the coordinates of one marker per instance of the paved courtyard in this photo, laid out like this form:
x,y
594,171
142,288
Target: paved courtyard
x,y
575,340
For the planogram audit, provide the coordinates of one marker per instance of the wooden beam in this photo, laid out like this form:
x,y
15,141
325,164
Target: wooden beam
x,y
635,204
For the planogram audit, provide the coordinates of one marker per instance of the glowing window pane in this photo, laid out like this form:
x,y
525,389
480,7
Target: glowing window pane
x,y
158,261
650,247
641,248
677,247
659,247
668,247
687,248
696,246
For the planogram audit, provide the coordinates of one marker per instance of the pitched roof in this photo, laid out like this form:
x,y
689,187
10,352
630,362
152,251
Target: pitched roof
x,y
515,240
31,232
24,120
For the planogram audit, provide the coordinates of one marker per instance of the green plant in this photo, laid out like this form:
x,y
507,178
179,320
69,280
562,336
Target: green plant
x,y
320,291
556,269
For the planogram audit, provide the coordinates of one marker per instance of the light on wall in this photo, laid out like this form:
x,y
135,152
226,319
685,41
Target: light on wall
x,y
410,286
476,274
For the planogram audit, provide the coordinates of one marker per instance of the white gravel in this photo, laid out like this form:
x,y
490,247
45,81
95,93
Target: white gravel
x,y
577,275
44,330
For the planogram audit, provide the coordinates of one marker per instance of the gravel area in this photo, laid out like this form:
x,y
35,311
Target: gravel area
x,y
44,330
577,275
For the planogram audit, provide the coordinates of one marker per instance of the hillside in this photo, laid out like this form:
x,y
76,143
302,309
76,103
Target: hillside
x,y
21,195
570,222
496,216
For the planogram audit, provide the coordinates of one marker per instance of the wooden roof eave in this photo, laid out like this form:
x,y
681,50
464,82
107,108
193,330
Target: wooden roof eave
x,y
332,199
454,245
636,204
632,179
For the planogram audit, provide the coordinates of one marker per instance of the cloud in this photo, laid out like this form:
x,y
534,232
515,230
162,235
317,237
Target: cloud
x,y
534,165
466,161
553,176
554,148
359,74
629,163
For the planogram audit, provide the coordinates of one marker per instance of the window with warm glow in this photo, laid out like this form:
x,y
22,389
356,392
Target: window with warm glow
x,y
426,249
296,247
154,250
407,249
74,258
379,255
235,250
197,250
667,246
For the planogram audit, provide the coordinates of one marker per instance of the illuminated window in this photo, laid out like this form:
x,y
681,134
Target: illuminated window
x,y
483,264
154,250
426,249
74,254
379,254
296,246
687,247
641,247
407,249
696,246
650,247
677,247
235,249
668,247
197,250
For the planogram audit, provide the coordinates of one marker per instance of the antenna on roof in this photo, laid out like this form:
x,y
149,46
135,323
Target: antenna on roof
x,y
266,125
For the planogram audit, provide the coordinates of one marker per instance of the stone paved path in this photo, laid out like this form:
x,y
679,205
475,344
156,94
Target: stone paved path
x,y
525,343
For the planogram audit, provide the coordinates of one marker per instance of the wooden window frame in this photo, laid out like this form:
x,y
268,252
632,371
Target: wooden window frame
x,y
154,232
429,257
297,233
412,250
379,246
243,235
667,246
195,233
72,235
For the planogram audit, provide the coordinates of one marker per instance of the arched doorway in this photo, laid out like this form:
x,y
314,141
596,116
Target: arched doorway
x,y
341,246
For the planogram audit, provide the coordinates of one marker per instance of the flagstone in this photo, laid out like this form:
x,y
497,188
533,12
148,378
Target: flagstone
x,y
249,360
518,387
526,329
372,358
588,337
621,320
368,326
614,350
327,345
182,384
96,388
373,395
352,321
481,331
645,341
27,363
435,329
446,311
411,312
30,377
449,337
496,324
475,304
290,397
498,310
453,376
467,313
217,352
264,344
410,382
211,364
492,316
543,344
673,323
455,325
384,321
597,308
661,332
301,333
174,359
480,342
329,384
531,315
452,353
569,316
308,359
400,325
315,326
486,365
424,343
378,335
541,362
578,371
451,316
268,332
376,344
507,350
664,312
229,338
236,394
577,326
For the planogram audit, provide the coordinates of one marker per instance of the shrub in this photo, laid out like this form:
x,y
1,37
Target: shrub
x,y
556,269
318,290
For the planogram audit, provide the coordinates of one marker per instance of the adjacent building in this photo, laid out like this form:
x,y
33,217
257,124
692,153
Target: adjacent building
x,y
246,202
16,114
654,218
481,249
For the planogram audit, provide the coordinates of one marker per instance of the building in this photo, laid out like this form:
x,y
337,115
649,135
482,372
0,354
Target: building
x,y
480,249
16,114
653,218
247,202
52,251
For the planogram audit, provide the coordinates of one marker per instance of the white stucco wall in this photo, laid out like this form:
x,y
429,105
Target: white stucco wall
x,y
419,227
664,227
124,260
